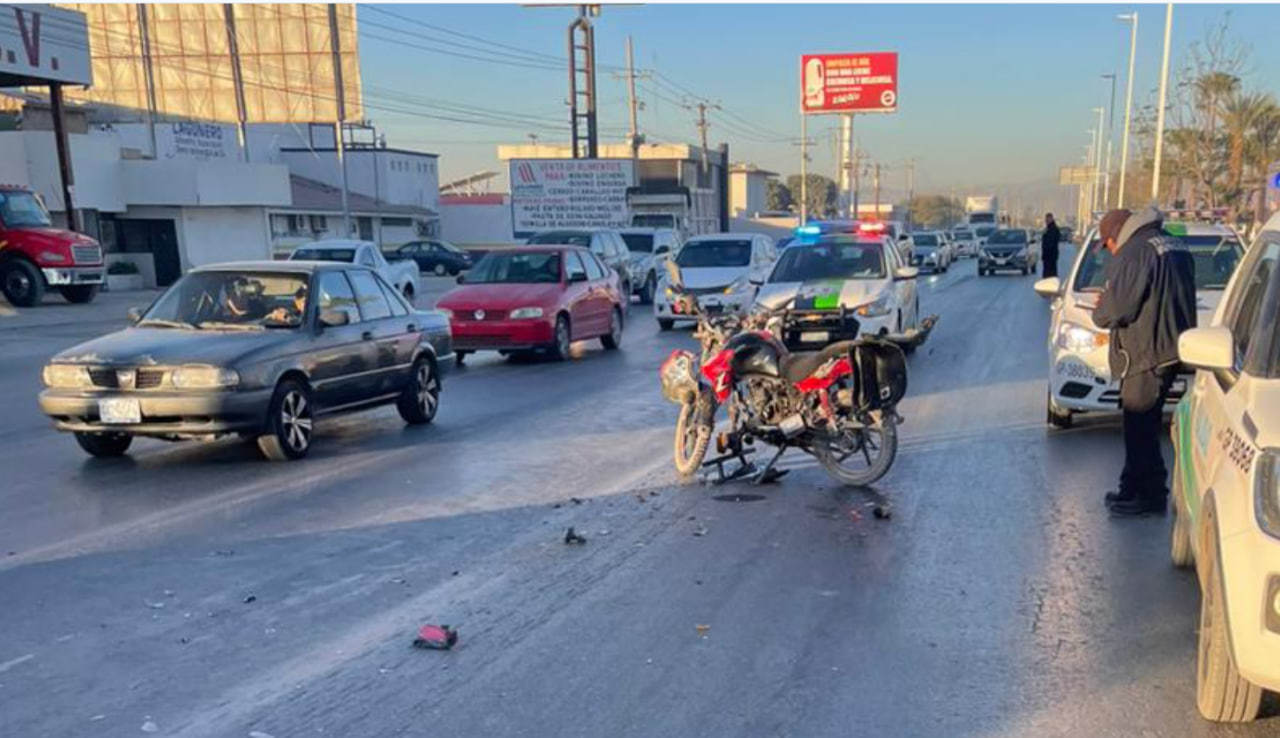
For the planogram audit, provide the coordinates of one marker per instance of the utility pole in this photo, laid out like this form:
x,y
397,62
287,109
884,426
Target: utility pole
x,y
857,178
237,79
65,171
148,73
582,38
846,145
804,168
877,186
1111,128
911,189
702,125
1164,82
1097,162
634,138
339,137
1128,103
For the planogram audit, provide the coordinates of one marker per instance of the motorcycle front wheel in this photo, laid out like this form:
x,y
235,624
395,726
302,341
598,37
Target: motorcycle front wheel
x,y
693,433
859,456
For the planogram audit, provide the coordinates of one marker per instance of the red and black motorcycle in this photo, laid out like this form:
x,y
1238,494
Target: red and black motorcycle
x,y
838,404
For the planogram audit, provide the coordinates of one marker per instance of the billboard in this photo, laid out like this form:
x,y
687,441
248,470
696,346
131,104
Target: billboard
x,y
849,83
42,43
569,193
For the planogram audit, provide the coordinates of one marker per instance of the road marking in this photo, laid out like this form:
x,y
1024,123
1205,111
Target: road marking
x,y
14,662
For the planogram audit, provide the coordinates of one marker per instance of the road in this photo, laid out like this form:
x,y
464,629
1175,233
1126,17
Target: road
x,y
200,591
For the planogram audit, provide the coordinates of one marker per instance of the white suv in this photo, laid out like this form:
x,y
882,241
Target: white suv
x,y
1079,376
650,248
1226,487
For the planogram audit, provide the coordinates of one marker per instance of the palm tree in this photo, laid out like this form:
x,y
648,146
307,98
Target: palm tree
x,y
1240,112
1210,89
1263,150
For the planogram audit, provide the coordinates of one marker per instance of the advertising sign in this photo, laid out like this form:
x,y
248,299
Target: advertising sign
x,y
849,83
200,141
41,43
569,193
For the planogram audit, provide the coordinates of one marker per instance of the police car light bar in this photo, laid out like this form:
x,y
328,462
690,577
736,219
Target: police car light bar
x,y
1199,215
871,227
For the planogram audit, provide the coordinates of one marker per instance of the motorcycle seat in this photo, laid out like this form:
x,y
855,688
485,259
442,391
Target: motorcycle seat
x,y
802,364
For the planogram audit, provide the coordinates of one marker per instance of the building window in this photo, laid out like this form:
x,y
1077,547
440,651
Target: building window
x,y
319,223
396,222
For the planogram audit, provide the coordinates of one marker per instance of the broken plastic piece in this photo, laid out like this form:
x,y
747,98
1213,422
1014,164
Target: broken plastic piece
x,y
882,512
439,637
571,537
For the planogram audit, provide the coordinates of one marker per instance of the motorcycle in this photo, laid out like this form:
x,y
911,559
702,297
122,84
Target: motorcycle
x,y
838,404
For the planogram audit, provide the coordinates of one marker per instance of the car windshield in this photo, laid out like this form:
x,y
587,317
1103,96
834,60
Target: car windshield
x,y
830,260
516,267
715,254
326,254
218,300
640,243
925,239
962,234
570,238
1007,237
19,209
1215,259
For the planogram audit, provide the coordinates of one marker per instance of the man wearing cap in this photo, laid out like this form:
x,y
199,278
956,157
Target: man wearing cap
x,y
1148,300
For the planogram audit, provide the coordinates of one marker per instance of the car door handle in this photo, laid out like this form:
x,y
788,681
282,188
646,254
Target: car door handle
x,y
367,336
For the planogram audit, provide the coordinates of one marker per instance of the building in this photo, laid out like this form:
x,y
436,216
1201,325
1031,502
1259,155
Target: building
x,y
748,189
481,220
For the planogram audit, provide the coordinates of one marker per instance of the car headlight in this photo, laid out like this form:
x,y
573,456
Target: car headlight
x,y
1266,491
876,308
66,376
52,256
526,312
203,377
738,285
1080,339
446,312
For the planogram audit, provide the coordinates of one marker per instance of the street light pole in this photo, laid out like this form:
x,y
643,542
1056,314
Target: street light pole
x,y
1128,102
1164,83
1111,130
1097,161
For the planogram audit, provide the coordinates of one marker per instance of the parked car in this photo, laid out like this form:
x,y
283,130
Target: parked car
x,y
722,270
437,257
259,349
606,244
535,298
403,274
843,286
650,248
1226,486
1008,249
932,251
35,256
1079,374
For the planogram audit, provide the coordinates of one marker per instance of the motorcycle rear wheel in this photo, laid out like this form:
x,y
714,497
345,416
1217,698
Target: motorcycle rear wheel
x,y
860,456
693,434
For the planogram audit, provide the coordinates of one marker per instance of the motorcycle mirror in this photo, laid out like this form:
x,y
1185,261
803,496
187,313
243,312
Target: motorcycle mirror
x,y
673,274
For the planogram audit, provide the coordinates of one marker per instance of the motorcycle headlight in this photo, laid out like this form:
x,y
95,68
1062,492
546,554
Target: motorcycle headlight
x,y
66,376
197,376
876,308
1081,339
1266,491
526,312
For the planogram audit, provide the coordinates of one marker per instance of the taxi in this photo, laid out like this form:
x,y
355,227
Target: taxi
x,y
1079,374
1226,487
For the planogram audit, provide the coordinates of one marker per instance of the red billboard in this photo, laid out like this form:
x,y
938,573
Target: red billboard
x,y
849,83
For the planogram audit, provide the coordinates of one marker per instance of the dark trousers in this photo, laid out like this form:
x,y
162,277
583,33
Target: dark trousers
x,y
1049,263
1142,399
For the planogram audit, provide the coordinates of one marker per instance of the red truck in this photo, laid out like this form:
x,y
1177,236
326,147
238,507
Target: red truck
x,y
35,256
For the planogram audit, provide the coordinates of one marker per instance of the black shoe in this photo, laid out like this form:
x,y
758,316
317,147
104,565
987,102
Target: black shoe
x,y
1112,498
1136,508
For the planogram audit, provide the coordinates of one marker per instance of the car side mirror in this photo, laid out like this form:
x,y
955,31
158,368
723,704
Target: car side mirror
x,y
661,250
902,273
757,281
1048,287
134,314
334,318
673,274
578,277
461,278
1207,348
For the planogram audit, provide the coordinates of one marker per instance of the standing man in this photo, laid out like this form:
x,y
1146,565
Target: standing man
x,y
1148,300
1049,247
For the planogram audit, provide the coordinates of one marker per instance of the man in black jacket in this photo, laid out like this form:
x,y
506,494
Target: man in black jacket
x,y
1049,247
1149,299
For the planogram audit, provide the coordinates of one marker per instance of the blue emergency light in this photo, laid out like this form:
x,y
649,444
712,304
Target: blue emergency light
x,y
1275,181
811,229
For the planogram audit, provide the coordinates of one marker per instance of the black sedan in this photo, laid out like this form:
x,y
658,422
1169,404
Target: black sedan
x,y
436,257
258,349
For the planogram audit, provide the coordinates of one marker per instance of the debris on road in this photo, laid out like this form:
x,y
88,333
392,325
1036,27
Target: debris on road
x,y
576,500
700,531
438,637
250,599
571,537
882,512
856,516
602,532
156,605
150,727
224,552
702,630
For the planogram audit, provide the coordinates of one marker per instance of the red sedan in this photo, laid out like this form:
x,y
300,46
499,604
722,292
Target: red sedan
x,y
535,298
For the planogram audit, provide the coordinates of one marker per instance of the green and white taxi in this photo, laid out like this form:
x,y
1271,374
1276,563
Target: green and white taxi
x,y
1226,486
1079,376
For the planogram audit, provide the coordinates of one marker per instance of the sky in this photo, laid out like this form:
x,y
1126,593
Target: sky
x,y
988,94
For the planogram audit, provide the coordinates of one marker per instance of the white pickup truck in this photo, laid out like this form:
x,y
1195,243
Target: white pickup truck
x,y
402,274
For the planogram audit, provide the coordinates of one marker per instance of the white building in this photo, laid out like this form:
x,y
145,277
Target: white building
x,y
748,189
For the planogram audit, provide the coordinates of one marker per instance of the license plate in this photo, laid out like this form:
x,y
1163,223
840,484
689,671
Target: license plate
x,y
814,336
119,410
1002,261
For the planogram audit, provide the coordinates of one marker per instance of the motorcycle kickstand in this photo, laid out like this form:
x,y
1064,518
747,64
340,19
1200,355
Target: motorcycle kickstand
x,y
768,473
745,467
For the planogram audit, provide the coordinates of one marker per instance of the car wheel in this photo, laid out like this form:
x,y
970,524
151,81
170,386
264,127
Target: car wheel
x,y
1055,416
613,338
665,324
1180,552
104,445
441,270
22,283
289,423
421,397
80,293
559,349
1222,695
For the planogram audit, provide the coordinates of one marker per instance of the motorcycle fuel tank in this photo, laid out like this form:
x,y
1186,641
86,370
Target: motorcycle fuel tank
x,y
755,354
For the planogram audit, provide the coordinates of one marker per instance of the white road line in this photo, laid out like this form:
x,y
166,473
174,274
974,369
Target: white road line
x,y
14,662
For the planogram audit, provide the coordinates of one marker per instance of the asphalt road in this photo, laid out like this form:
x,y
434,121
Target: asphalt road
x,y
197,590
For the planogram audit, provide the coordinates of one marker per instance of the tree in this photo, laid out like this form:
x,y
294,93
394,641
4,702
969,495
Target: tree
x,y
1263,151
1240,113
777,196
935,211
821,194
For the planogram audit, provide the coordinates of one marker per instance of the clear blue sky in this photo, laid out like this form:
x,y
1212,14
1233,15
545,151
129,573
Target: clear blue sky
x,y
987,94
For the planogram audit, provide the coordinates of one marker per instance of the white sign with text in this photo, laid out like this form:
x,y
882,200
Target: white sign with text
x,y
547,194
